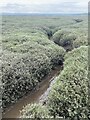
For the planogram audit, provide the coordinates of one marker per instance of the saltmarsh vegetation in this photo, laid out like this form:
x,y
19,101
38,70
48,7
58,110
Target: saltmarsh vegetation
x,y
27,58
68,97
71,38
32,47
22,72
35,111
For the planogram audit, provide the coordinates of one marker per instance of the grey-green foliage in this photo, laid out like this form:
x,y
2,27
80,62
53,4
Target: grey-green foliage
x,y
69,96
34,111
71,37
26,63
64,38
28,53
81,40
21,74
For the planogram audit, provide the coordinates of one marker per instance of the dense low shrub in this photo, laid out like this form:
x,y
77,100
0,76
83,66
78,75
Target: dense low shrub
x,y
78,56
29,54
82,40
25,66
21,74
38,42
15,39
72,37
47,31
27,57
82,36
34,111
69,96
64,38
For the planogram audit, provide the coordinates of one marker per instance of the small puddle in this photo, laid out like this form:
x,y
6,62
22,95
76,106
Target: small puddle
x,y
38,95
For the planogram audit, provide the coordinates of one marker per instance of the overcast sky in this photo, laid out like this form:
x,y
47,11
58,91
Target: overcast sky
x,y
44,6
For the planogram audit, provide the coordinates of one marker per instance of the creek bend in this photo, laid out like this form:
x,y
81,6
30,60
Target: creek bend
x,y
38,95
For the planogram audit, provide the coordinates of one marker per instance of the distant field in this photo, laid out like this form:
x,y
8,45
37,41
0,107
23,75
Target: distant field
x,y
32,47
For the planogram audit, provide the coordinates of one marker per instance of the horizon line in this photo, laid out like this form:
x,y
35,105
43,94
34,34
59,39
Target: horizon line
x,y
38,13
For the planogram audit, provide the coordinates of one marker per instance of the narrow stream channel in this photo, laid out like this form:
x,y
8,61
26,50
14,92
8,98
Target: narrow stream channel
x,y
36,96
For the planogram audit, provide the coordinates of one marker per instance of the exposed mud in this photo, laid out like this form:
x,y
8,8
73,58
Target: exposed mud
x,y
38,95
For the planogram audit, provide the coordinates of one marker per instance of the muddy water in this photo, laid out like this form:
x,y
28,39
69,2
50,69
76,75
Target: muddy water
x,y
38,95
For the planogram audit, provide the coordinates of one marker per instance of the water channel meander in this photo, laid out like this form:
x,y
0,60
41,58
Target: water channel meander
x,y
36,96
